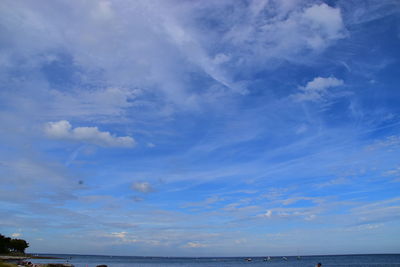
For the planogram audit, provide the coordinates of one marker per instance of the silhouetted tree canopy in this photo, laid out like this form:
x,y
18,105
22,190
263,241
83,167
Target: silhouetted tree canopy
x,y
8,245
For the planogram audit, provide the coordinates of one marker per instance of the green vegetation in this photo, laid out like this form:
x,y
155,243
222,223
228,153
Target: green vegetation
x,y
7,264
12,246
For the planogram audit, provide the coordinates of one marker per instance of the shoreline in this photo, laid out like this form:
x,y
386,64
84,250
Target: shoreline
x,y
11,258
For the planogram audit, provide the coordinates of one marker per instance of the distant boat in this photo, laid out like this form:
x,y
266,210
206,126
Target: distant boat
x,y
284,258
267,258
248,259
298,257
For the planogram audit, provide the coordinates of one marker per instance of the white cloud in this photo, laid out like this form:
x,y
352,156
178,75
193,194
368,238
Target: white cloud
x,y
364,227
288,32
16,234
327,21
63,130
115,43
321,84
119,238
317,89
121,235
194,245
143,187
307,214
267,214
123,238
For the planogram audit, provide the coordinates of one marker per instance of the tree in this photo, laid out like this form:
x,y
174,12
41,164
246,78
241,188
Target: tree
x,y
8,245
4,244
18,245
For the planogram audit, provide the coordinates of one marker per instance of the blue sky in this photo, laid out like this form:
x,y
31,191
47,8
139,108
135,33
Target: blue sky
x,y
200,128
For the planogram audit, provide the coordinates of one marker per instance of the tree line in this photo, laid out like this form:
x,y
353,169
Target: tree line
x,y
11,245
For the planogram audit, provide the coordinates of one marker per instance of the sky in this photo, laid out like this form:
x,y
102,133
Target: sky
x,y
200,128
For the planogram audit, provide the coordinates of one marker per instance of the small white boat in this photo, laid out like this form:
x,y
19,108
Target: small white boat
x,y
284,258
267,258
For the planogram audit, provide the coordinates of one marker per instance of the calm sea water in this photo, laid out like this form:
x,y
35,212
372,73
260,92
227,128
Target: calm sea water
x,y
327,261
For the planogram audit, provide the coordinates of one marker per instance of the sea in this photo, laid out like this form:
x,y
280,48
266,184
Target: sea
x,y
369,260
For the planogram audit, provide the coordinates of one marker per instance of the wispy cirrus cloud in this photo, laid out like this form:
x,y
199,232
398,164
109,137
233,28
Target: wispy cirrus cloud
x,y
251,35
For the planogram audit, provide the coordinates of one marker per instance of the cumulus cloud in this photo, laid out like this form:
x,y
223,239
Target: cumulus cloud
x,y
320,84
16,234
143,187
63,130
317,89
278,30
327,21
